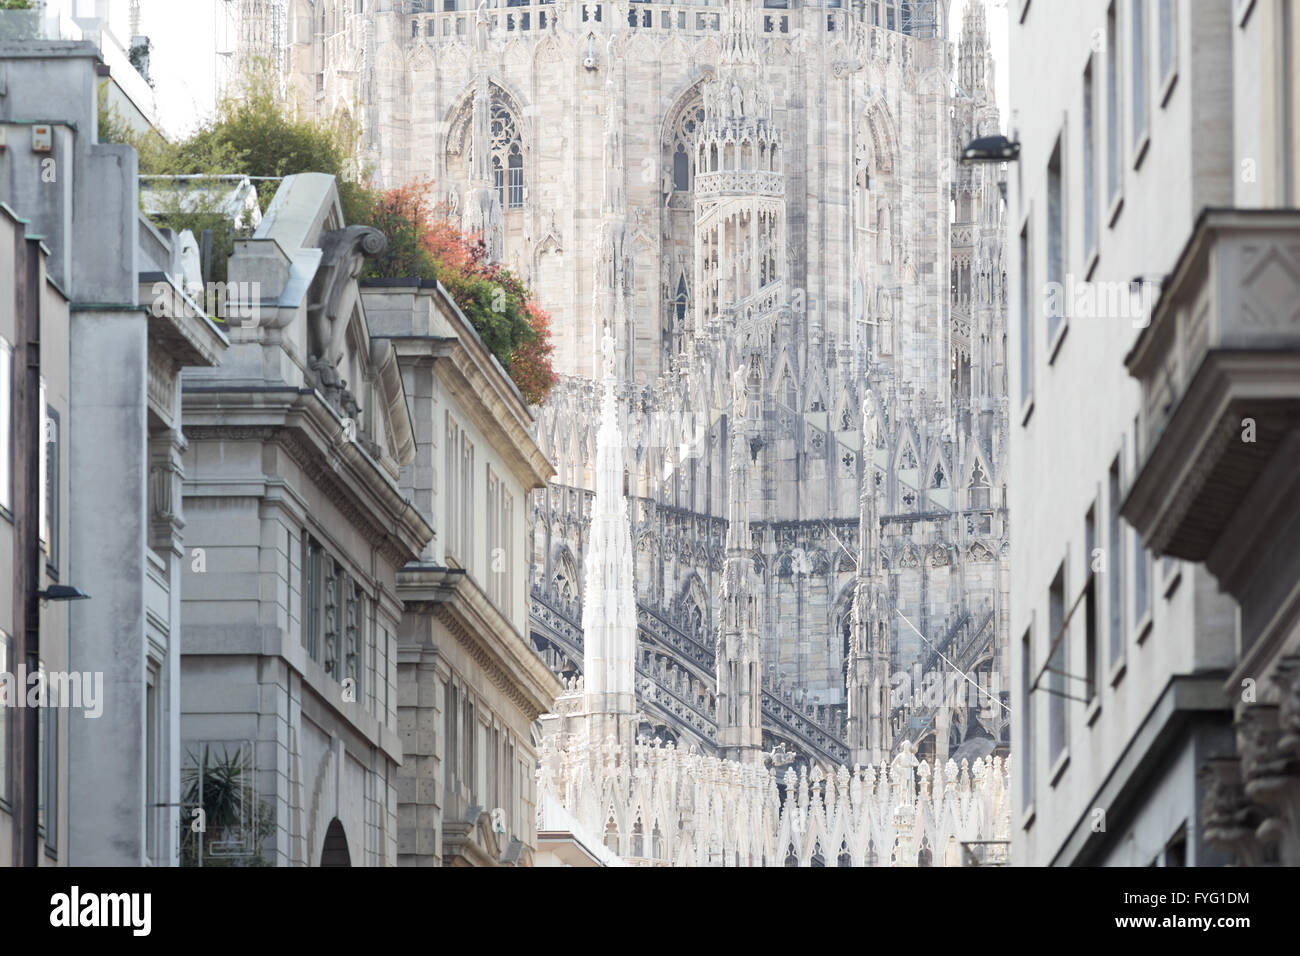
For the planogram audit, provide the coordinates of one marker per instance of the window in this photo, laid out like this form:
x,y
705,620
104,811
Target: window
x,y
1026,325
313,591
516,166
1168,41
1112,106
47,799
43,483
1139,51
1141,581
382,674
1090,603
467,501
5,796
467,740
6,424
1057,667
1089,173
1027,719
507,155
1114,563
500,518
449,748
152,795
1055,300
451,474
50,489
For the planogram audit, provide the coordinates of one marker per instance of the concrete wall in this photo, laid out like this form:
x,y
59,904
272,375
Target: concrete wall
x,y
1080,411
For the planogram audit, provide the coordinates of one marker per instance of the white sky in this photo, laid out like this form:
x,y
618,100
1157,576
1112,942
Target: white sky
x,y
187,35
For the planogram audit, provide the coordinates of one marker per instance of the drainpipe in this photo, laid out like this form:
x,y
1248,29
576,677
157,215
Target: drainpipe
x,y
27,558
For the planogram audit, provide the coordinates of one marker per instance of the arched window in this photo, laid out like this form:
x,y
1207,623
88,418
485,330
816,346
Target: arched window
x,y
679,303
682,138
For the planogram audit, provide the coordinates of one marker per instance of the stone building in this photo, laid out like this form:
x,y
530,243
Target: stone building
x,y
113,445
297,528
1153,577
469,684
759,187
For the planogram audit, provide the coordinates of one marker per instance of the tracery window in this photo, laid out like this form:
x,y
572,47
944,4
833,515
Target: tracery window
x,y
507,158
683,135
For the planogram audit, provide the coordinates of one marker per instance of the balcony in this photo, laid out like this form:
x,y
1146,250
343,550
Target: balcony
x,y
1219,369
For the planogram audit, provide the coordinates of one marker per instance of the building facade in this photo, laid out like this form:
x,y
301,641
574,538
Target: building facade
x,y
297,530
470,686
115,526
767,187
1145,235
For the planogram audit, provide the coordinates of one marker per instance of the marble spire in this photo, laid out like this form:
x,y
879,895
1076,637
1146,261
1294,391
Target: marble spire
x,y
738,652
609,595
869,651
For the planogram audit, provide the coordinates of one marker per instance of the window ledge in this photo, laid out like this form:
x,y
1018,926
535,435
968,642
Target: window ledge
x,y
1144,627
1171,585
1167,87
1054,346
1027,818
1116,207
1143,145
1247,7
1026,411
1090,264
1058,769
1117,671
1094,709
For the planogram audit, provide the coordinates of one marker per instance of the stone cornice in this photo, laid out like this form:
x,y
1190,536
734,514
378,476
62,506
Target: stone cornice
x,y
299,422
453,598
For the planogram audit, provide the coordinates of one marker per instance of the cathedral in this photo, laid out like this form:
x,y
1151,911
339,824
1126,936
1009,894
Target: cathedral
x,y
763,260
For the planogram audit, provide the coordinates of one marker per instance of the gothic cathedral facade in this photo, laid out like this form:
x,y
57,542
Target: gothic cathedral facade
x,y
760,202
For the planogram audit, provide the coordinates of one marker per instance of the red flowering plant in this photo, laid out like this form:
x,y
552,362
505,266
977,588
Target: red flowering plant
x,y
423,243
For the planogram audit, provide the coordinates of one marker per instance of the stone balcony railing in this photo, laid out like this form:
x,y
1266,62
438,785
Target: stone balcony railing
x,y
661,17
1219,369
731,182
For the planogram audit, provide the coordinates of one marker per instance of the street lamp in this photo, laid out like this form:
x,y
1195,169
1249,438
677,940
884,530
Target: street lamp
x,y
62,592
991,149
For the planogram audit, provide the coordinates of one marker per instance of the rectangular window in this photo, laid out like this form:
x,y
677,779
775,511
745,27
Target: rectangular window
x,y
5,796
1139,51
1141,580
449,743
1027,719
1168,40
1055,245
50,486
1026,324
467,733
1057,665
508,553
152,795
1113,126
508,799
1114,563
494,750
1090,603
1089,173
313,588
451,481
6,424
516,187
382,676
43,482
467,503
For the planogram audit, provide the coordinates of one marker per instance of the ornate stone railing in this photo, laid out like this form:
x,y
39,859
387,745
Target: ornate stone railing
x,y
806,724
740,182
